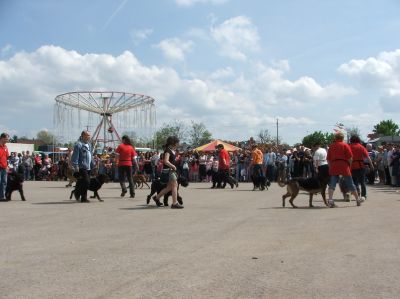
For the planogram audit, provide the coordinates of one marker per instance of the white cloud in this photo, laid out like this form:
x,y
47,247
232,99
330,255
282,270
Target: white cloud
x,y
235,37
5,50
193,2
138,35
231,105
175,48
381,73
223,73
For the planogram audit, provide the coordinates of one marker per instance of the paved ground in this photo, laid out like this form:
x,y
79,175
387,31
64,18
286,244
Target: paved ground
x,y
224,244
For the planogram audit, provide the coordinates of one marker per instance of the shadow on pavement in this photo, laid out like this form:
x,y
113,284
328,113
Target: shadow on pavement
x,y
56,202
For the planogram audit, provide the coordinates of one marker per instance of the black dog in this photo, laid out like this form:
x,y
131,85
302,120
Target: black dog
x,y
221,178
14,182
157,186
260,182
95,184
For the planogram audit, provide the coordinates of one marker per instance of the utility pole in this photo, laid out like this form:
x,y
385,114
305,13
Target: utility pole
x,y
277,132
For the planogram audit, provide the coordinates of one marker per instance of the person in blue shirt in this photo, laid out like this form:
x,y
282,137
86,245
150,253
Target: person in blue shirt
x,y
81,162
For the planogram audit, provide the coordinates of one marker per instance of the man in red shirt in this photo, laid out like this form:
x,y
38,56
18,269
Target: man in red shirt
x,y
126,158
223,168
360,155
4,154
339,160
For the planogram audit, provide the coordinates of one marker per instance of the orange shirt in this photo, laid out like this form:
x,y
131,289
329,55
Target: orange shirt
x,y
126,154
338,157
257,157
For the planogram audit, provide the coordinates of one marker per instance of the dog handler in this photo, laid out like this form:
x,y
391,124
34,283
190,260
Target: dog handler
x,y
126,158
339,160
170,170
360,155
4,154
81,161
257,158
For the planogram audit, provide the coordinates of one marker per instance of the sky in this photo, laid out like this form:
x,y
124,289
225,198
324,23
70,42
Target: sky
x,y
236,66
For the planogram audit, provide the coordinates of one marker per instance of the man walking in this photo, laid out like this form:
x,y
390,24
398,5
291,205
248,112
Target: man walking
x,y
81,162
257,160
3,164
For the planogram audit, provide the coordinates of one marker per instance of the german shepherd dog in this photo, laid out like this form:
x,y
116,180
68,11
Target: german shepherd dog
x,y
95,184
310,185
157,186
139,180
14,182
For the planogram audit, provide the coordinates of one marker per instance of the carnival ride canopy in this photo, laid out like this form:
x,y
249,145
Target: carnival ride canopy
x,y
210,147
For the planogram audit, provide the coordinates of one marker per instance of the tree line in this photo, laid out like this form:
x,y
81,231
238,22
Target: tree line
x,y
196,134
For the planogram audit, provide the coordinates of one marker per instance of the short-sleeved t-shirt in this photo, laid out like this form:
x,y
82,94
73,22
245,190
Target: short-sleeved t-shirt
x,y
339,154
257,156
360,153
126,154
3,156
223,154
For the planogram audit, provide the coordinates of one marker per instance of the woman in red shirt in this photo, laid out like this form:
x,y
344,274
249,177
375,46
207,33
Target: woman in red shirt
x,y
360,155
126,155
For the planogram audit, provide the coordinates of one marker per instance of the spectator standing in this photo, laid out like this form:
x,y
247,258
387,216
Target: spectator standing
x,y
270,160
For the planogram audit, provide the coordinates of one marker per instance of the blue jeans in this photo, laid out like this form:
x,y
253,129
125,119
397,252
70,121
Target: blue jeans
x,y
347,180
3,183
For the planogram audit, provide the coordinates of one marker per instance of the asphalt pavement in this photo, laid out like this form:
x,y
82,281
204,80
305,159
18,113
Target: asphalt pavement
x,y
230,243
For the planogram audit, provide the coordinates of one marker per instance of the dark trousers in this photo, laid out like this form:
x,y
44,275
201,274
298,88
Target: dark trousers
x,y
126,172
82,184
388,180
358,176
271,172
257,171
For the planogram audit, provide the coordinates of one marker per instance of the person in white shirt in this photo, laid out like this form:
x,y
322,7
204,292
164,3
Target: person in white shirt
x,y
320,162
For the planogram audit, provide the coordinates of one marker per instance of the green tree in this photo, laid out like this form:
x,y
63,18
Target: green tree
x,y
46,137
14,139
176,128
198,134
387,128
318,137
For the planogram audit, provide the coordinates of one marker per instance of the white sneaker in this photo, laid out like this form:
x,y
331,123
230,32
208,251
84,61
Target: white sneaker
x,y
362,198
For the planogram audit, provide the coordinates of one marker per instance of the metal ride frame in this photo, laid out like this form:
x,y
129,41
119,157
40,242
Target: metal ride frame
x,y
106,104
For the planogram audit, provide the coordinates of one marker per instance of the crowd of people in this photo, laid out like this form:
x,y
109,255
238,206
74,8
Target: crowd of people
x,y
380,165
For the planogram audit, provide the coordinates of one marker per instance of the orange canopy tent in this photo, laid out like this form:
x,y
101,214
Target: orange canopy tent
x,y
210,147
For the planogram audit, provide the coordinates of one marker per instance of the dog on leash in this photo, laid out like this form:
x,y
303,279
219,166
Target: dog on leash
x,y
95,185
139,180
295,185
14,182
157,186
260,182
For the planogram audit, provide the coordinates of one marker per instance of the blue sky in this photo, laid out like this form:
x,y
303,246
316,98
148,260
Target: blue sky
x,y
234,65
